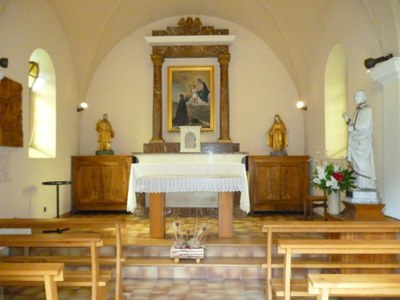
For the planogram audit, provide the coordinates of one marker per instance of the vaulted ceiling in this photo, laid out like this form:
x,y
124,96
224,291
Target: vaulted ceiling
x,y
93,27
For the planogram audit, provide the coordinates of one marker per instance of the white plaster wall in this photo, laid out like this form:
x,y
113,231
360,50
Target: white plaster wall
x,y
346,23
25,26
122,87
260,87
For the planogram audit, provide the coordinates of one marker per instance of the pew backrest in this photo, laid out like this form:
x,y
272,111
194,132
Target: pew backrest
x,y
325,285
48,273
95,224
292,247
274,228
89,240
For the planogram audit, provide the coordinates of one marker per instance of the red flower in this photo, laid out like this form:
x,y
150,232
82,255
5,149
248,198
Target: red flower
x,y
338,176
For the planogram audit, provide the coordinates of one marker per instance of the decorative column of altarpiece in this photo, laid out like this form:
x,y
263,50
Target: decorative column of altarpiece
x,y
189,40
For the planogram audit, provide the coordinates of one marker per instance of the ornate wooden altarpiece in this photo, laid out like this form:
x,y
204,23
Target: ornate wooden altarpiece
x,y
190,27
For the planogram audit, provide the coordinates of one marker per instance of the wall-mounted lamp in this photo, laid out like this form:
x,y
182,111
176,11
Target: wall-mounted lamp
x,y
371,62
4,62
33,73
301,105
82,106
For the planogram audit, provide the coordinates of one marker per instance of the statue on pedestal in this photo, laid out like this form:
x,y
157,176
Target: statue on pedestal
x,y
359,151
278,137
105,134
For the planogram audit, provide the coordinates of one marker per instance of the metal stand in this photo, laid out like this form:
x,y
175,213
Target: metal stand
x,y
57,184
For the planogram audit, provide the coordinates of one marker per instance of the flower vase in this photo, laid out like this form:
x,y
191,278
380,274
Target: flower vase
x,y
334,202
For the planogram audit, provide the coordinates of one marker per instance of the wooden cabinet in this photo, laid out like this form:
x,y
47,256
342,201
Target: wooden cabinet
x,y
100,182
278,183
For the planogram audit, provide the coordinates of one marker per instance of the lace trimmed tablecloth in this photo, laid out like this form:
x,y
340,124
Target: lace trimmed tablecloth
x,y
187,177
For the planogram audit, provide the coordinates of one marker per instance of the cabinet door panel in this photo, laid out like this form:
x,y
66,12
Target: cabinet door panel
x,y
268,187
100,182
88,179
114,183
292,182
278,183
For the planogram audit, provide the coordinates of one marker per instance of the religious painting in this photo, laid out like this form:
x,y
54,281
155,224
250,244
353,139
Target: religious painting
x,y
191,97
11,134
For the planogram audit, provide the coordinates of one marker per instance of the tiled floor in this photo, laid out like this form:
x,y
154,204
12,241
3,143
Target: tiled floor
x,y
248,227
197,289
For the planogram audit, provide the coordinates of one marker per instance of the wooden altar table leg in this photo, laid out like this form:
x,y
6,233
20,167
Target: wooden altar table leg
x,y
157,215
225,214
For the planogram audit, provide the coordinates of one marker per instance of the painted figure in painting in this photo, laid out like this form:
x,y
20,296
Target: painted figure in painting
x,y
278,136
105,134
181,115
359,151
190,97
202,90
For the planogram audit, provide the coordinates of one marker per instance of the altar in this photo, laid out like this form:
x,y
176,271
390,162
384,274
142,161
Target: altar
x,y
157,174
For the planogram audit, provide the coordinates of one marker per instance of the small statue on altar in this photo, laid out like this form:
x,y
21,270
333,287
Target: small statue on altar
x,y
105,134
278,137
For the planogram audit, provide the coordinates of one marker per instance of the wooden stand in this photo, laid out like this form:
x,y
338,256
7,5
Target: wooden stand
x,y
360,212
311,202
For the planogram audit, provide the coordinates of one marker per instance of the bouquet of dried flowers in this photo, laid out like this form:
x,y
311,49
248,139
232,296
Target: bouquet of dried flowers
x,y
186,239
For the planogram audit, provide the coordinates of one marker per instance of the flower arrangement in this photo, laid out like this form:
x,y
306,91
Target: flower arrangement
x,y
186,239
332,177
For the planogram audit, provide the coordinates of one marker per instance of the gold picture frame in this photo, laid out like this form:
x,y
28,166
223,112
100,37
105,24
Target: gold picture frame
x,y
191,97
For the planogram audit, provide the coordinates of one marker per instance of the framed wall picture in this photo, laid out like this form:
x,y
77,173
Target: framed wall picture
x,y
191,97
190,138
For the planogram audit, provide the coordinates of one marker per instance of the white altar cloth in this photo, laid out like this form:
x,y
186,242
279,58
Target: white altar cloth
x,y
188,177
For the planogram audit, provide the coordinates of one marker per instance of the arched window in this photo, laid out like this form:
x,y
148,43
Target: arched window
x,y
336,103
42,123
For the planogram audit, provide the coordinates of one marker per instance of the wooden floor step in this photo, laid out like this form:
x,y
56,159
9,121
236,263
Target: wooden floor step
x,y
68,260
206,262
211,242
83,278
71,279
298,287
325,263
104,273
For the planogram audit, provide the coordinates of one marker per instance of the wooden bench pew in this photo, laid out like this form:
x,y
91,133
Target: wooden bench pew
x,y
80,224
378,285
274,229
293,247
47,273
94,279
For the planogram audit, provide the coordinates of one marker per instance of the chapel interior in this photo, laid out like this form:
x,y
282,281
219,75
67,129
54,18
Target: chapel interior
x,y
65,66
